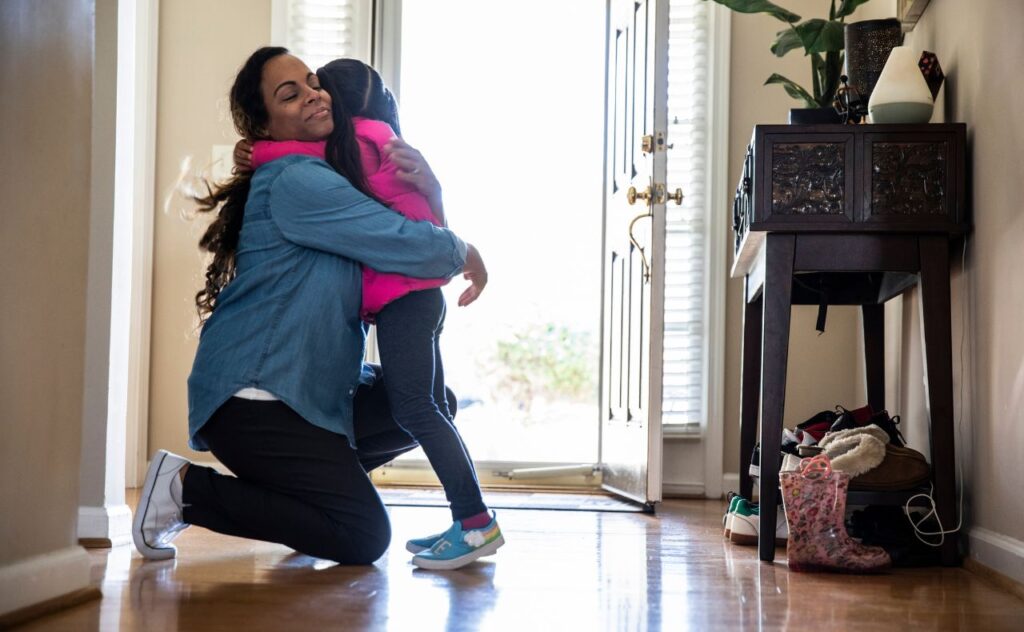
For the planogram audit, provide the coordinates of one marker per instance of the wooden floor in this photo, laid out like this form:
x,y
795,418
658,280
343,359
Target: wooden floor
x,y
565,571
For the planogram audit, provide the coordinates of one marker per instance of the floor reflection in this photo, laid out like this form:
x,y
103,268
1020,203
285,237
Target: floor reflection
x,y
559,571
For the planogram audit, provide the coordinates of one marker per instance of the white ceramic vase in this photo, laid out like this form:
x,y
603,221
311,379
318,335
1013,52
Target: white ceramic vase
x,y
901,94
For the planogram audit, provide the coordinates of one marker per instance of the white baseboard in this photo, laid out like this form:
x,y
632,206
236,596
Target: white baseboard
x,y
682,490
106,523
1001,553
43,577
730,483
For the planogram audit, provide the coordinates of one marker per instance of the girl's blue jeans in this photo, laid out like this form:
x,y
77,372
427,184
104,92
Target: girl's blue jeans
x,y
408,334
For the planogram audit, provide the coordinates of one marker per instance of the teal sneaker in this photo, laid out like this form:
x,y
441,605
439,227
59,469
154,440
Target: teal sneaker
x,y
422,544
456,548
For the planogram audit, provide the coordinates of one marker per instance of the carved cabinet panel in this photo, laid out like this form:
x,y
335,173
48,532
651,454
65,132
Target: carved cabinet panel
x,y
910,179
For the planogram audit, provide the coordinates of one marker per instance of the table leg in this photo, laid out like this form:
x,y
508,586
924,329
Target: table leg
x,y
777,295
935,305
874,353
750,376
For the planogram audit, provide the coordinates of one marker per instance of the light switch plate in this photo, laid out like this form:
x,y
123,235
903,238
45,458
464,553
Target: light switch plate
x,y
221,162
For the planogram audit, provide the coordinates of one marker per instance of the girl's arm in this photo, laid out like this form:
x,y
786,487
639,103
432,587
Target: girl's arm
x,y
317,208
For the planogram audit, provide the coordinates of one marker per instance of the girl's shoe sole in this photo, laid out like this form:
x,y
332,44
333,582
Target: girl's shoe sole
x,y
447,565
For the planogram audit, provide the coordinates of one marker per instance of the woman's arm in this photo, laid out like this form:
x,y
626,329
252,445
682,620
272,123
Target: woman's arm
x,y
317,208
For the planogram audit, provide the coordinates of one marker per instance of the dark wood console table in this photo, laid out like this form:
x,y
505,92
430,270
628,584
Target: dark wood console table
x,y
846,215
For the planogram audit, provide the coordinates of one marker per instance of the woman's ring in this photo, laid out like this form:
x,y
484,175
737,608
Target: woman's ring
x,y
416,170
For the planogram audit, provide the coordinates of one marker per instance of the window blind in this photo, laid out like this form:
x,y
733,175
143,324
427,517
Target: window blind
x,y
688,118
318,31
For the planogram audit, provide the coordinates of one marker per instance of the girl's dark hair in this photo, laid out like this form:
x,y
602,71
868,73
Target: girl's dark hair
x,y
249,114
356,90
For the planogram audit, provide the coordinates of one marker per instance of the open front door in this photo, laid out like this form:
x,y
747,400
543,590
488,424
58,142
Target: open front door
x,y
634,249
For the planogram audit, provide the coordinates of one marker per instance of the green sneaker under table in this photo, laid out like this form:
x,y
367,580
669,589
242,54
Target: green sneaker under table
x,y
727,518
456,548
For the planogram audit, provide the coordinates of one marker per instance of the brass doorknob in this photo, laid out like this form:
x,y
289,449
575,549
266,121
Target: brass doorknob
x,y
677,196
632,195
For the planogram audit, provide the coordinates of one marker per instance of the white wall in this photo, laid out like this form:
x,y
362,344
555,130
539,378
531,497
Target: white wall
x,y
46,70
979,48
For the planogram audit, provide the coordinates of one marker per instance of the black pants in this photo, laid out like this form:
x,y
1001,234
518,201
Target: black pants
x,y
295,483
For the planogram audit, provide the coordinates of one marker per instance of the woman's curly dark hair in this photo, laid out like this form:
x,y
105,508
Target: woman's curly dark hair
x,y
249,113
356,90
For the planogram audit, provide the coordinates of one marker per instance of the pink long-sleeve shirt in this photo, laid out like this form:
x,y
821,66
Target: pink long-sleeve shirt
x,y
379,288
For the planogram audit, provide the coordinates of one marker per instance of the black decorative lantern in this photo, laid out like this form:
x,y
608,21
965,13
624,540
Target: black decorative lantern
x,y
868,44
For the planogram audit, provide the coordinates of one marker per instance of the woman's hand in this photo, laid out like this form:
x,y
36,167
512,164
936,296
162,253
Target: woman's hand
x,y
413,168
243,156
476,273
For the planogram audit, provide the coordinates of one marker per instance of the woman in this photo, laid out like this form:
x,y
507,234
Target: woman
x,y
278,391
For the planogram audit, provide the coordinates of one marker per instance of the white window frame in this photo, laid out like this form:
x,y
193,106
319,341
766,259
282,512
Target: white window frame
x,y
363,48
711,430
716,276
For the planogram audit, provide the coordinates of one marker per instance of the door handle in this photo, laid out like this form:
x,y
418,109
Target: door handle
x,y
636,244
632,195
677,197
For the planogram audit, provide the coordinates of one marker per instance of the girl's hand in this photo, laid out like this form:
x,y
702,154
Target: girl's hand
x,y
413,168
243,156
475,272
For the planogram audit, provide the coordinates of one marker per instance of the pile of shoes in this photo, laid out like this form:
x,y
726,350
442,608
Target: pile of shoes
x,y
865,443
888,526
833,452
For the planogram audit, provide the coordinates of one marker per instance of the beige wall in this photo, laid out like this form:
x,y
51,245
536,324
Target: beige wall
x,y
979,49
823,370
45,105
202,45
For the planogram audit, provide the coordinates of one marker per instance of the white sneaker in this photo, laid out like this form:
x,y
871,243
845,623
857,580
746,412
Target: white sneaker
x,y
745,528
158,518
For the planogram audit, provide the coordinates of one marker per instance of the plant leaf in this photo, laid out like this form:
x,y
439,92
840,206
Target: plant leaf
x,y
821,36
817,65
760,6
831,69
848,7
792,89
785,41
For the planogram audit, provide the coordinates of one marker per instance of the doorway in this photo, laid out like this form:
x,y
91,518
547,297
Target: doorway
x,y
516,143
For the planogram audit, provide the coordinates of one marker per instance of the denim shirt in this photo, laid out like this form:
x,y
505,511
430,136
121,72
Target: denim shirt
x,y
288,323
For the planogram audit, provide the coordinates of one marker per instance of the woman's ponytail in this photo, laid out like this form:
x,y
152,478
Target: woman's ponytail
x,y
249,114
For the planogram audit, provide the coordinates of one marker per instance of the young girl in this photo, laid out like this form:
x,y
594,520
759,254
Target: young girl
x,y
409,313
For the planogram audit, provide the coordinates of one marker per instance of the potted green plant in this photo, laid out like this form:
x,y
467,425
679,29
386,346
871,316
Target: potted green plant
x,y
821,40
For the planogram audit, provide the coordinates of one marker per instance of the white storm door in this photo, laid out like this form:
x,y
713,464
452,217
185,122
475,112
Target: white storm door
x,y
634,249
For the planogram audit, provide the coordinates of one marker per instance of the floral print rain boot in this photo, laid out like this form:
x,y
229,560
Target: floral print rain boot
x,y
815,503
